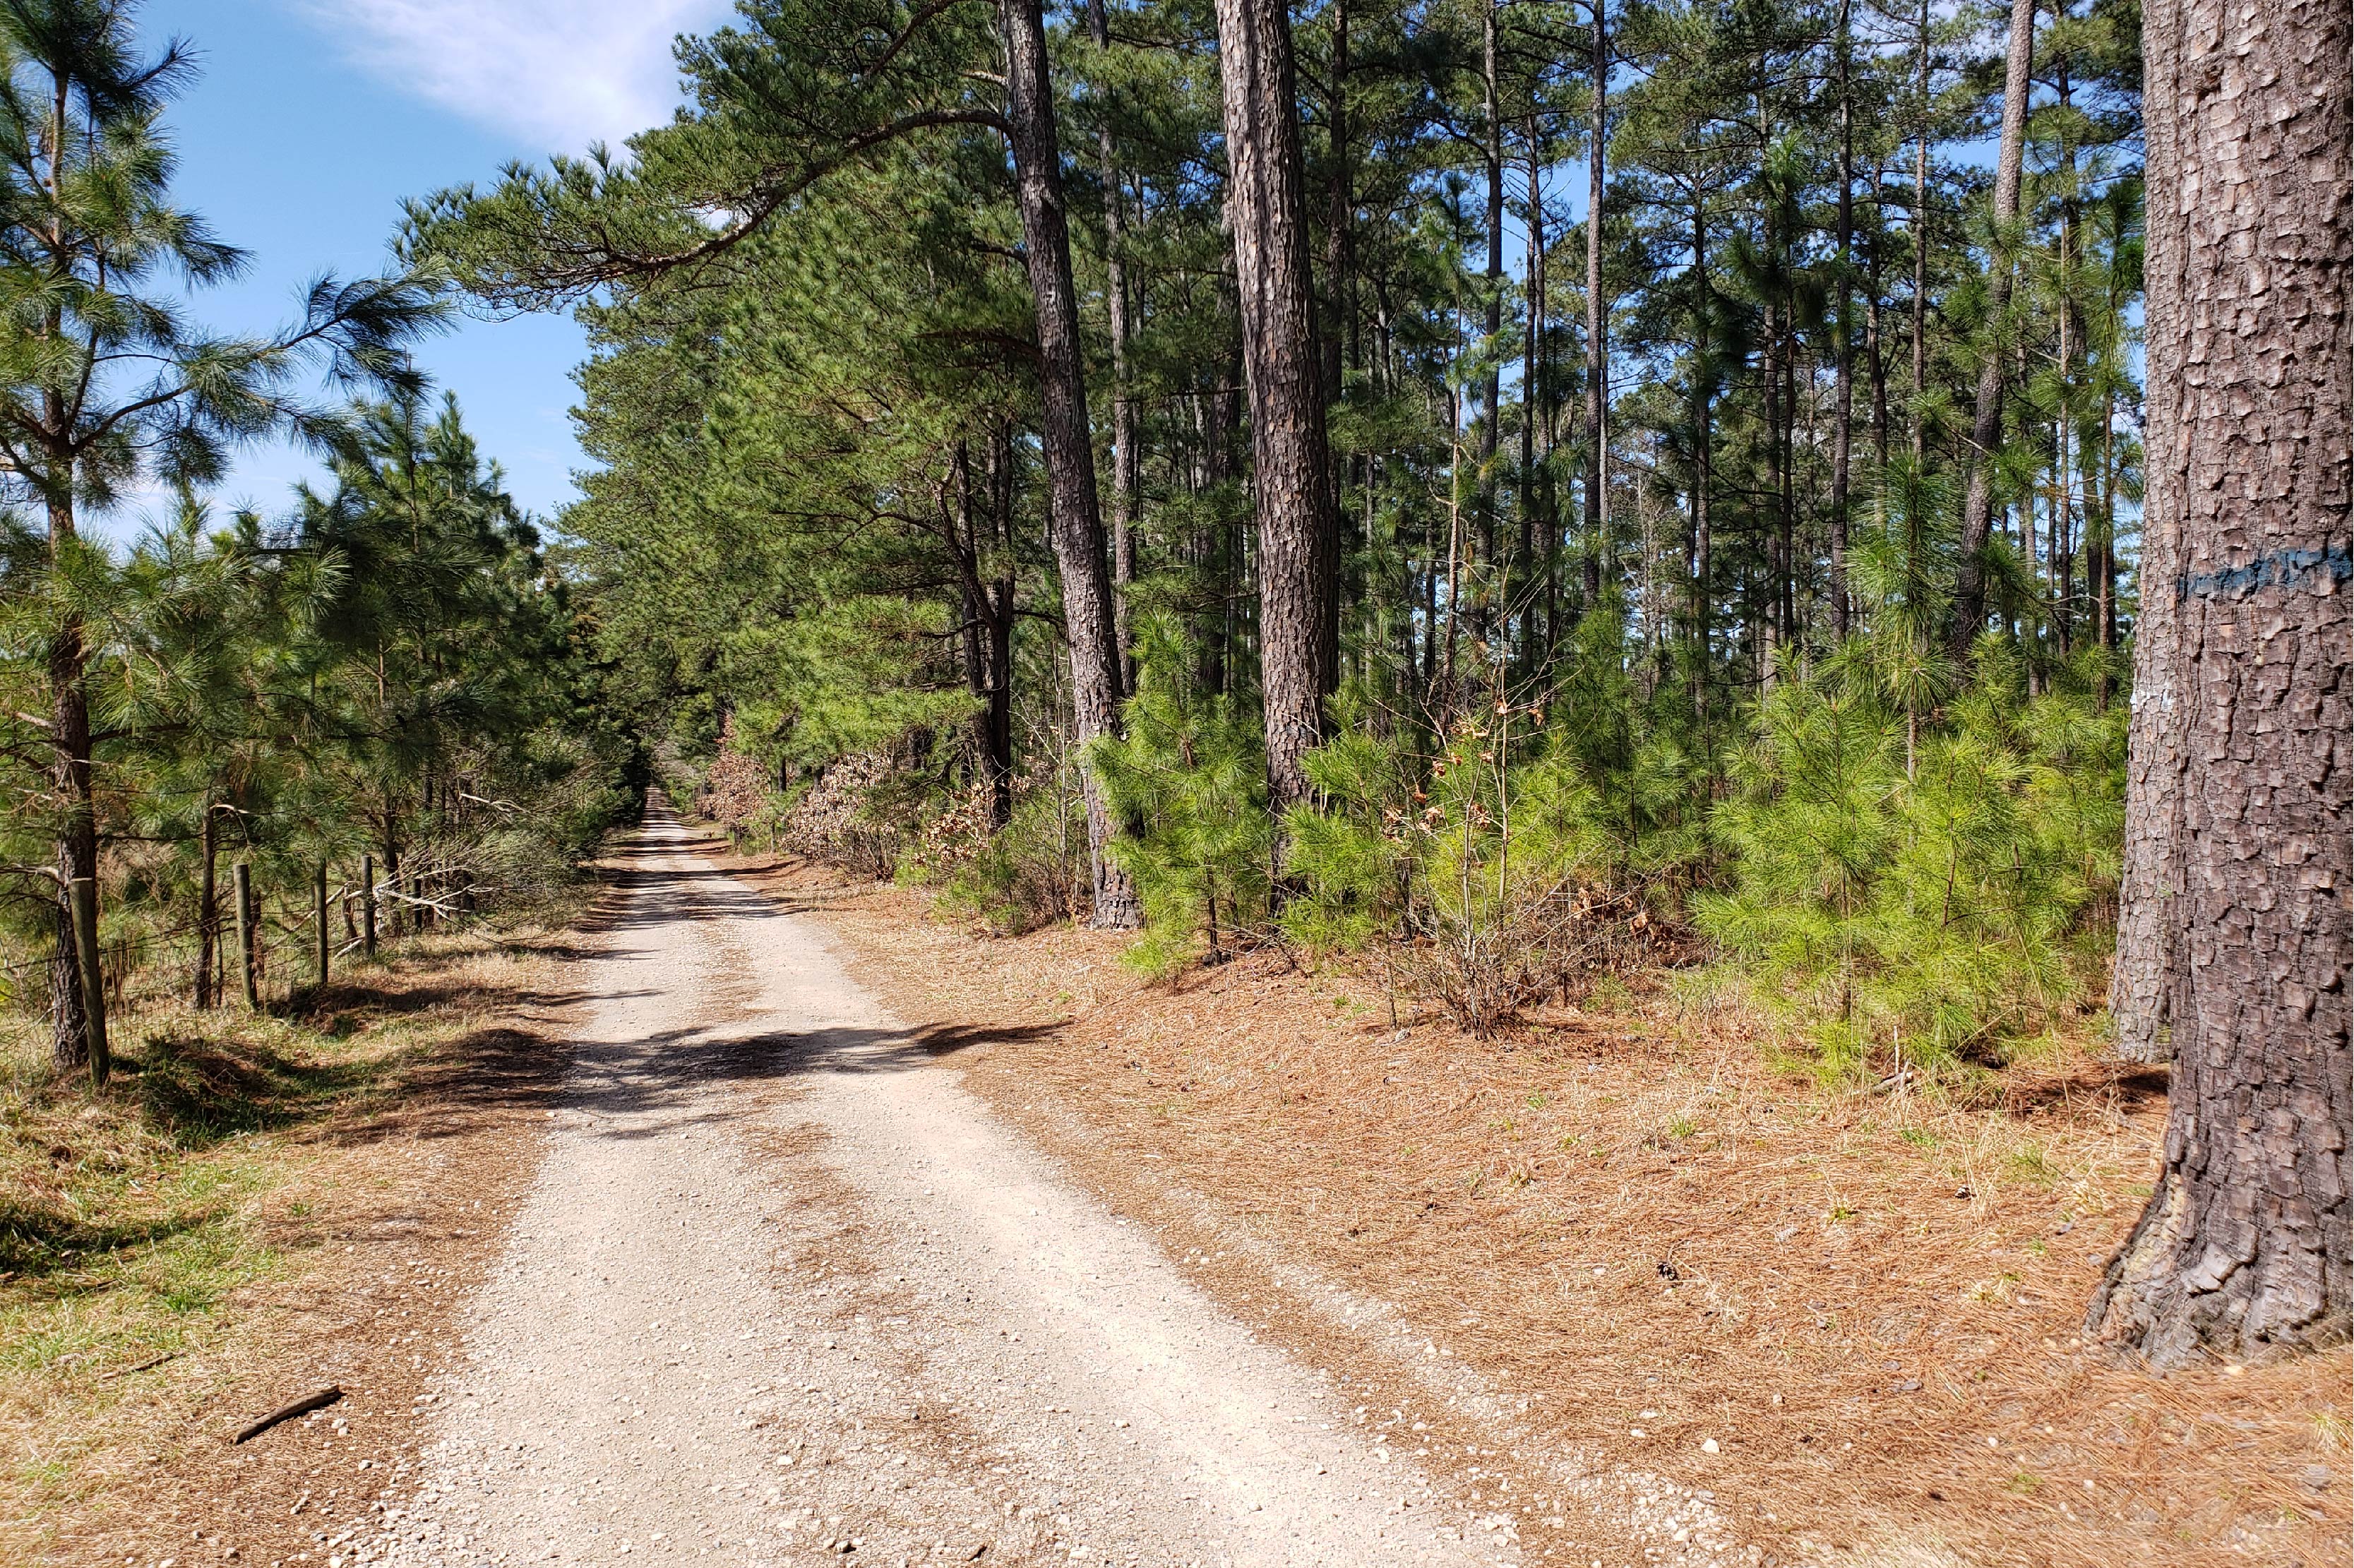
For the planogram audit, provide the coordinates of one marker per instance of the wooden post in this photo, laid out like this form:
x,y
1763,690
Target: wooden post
x,y
319,908
368,904
83,894
245,934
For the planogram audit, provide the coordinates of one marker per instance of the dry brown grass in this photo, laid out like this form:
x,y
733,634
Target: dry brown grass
x,y
256,1207
1872,1303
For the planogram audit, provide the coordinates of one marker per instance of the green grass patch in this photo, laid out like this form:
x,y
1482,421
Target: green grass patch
x,y
130,1217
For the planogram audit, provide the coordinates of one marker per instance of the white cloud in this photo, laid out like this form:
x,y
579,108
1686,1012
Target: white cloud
x,y
557,73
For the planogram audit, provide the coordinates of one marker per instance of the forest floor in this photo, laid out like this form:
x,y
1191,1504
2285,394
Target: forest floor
x,y
1658,1265
257,1207
717,1231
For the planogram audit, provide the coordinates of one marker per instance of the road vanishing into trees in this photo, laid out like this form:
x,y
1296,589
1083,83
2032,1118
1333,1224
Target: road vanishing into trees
x,y
783,1289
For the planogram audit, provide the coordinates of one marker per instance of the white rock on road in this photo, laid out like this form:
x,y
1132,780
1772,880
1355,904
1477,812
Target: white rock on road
x,y
784,1291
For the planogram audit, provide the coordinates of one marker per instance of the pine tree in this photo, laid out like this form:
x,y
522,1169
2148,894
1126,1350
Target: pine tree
x,y
101,380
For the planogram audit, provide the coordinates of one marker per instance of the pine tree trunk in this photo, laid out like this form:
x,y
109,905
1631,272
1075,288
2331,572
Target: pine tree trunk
x,y
1124,456
1299,528
1536,511
394,916
1340,224
1597,340
1703,606
1496,590
2240,798
1985,419
1919,224
77,839
1075,523
1843,393
1875,350
249,936
989,609
208,903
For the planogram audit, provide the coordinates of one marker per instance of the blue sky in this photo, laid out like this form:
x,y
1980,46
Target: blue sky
x,y
311,121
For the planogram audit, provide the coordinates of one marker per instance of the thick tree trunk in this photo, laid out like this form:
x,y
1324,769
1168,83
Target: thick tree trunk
x,y
1985,419
1299,528
1076,526
2241,800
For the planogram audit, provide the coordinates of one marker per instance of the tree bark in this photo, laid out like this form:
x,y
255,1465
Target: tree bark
x,y
1985,420
1703,465
1919,224
249,936
1339,226
1075,523
1124,456
997,646
1536,444
70,777
1496,589
1842,346
1875,357
1298,529
2241,800
208,903
394,918
1597,320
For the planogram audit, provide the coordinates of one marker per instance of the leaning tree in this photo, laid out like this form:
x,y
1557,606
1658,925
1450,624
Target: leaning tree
x,y
2241,800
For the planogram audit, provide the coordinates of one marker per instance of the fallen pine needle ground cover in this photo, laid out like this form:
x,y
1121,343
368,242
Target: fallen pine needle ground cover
x,y
257,1207
1851,1322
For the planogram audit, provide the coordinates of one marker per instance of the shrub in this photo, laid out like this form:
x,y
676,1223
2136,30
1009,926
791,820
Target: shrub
x,y
1924,911
1187,781
735,790
1031,872
844,820
1502,881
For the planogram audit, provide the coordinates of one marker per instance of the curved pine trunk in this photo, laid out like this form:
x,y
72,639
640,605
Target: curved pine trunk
x,y
1075,523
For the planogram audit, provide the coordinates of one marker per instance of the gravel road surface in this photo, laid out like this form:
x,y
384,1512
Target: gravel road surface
x,y
784,1292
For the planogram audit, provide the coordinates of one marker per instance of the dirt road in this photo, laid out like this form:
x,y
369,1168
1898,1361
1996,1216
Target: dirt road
x,y
784,1291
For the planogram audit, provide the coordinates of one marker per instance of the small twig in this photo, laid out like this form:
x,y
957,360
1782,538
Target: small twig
x,y
148,1366
302,1406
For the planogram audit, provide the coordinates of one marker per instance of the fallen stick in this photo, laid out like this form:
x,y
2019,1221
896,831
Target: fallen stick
x,y
142,1366
302,1406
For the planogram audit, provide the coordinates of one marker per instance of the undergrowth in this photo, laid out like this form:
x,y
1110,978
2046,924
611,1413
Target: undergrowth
x,y
130,1217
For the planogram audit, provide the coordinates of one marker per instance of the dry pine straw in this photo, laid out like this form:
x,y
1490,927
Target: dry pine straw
x,y
375,1222
1865,1290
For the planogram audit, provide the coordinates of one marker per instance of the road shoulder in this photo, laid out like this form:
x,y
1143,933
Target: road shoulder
x,y
370,1223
